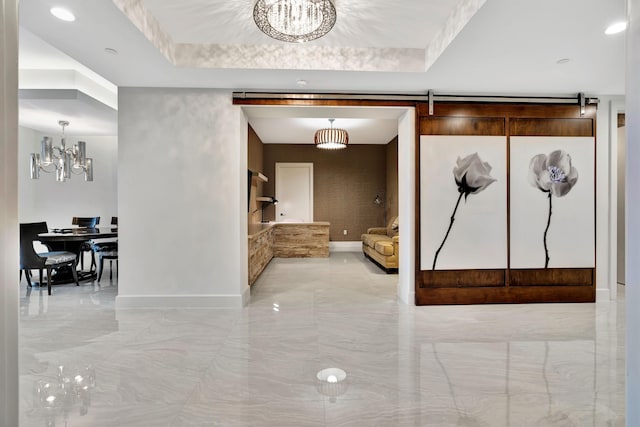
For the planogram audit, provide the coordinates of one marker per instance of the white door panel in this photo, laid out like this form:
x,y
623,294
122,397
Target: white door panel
x,y
294,192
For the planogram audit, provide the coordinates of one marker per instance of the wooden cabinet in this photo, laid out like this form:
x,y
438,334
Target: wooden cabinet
x,y
260,252
302,240
285,240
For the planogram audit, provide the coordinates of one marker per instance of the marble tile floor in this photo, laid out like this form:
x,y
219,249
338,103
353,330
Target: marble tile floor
x,y
492,365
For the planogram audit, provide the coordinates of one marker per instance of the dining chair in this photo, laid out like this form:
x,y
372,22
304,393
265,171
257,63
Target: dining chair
x,y
85,221
106,250
31,260
89,222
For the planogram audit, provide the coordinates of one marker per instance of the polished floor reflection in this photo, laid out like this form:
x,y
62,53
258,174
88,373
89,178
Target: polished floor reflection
x,y
323,343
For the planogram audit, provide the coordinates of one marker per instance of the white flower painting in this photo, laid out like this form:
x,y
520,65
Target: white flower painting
x,y
471,175
554,176
552,202
463,202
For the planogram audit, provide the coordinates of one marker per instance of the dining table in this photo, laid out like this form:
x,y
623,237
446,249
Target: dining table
x,y
71,240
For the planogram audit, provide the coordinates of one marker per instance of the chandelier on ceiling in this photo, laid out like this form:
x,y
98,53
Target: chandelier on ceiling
x,y
61,159
331,138
295,21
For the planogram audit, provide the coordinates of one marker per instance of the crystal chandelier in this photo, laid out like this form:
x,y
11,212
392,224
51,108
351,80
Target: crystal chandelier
x,y
294,20
330,138
61,159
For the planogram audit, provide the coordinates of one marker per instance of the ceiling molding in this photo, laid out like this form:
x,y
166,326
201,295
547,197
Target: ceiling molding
x,y
139,15
41,109
459,18
68,79
297,56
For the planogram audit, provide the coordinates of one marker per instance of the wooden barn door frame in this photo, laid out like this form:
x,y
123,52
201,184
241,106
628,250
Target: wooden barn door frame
x,y
508,285
406,126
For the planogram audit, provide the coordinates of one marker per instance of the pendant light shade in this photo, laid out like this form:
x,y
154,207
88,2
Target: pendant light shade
x,y
331,138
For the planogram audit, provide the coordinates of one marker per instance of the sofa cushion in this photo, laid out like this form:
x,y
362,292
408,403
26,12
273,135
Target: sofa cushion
x,y
385,247
392,228
371,239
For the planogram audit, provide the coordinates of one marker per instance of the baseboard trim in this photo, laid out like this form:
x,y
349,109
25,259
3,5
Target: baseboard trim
x,y
124,302
411,298
353,246
246,296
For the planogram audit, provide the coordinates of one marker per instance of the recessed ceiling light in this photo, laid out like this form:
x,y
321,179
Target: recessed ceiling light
x,y
63,14
562,61
616,28
110,50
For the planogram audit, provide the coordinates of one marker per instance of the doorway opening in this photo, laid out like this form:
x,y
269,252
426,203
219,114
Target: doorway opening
x,y
401,197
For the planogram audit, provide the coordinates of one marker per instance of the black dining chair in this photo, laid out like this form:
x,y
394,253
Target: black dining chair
x,y
88,222
31,260
106,250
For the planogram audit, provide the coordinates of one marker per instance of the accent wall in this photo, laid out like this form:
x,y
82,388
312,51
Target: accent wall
x,y
346,183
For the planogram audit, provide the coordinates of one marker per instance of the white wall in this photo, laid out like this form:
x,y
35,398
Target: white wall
x,y
632,289
45,199
407,206
606,198
9,213
182,199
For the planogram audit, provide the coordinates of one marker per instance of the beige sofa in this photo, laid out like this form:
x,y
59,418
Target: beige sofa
x,y
380,244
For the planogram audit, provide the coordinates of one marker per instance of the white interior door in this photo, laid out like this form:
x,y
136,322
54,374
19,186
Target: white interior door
x,y
294,192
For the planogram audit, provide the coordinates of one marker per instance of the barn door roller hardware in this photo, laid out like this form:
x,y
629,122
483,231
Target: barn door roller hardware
x,y
430,97
583,101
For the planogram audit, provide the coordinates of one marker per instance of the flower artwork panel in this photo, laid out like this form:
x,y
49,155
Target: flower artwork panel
x,y
552,202
464,177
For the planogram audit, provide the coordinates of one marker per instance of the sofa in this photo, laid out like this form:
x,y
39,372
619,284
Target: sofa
x,y
380,244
